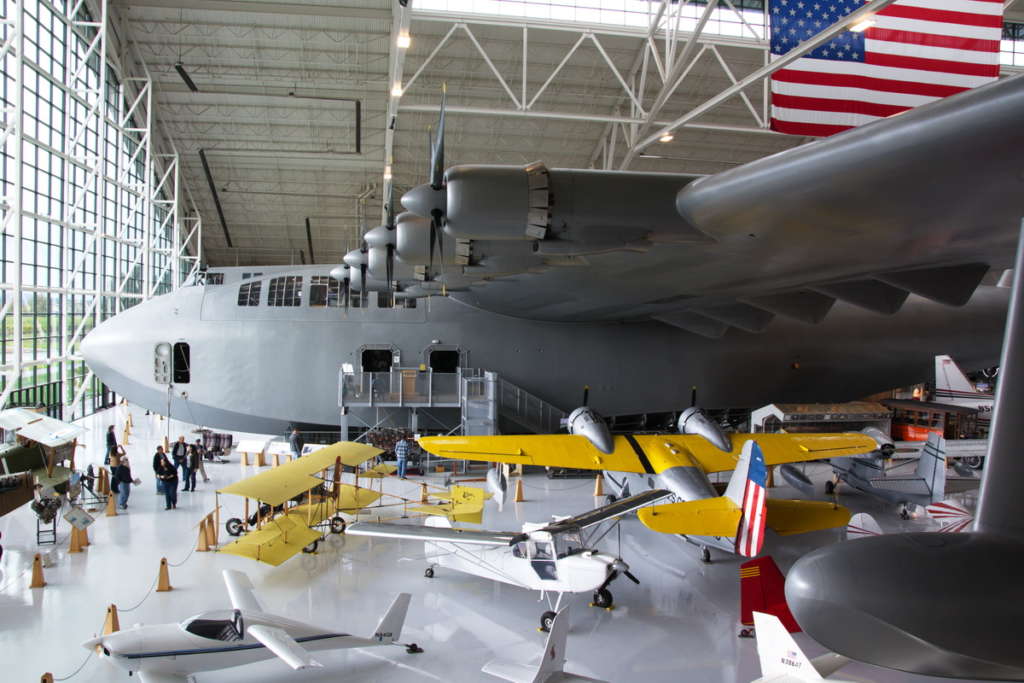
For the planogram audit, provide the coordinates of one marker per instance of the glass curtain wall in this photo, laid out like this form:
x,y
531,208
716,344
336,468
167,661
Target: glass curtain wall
x,y
91,220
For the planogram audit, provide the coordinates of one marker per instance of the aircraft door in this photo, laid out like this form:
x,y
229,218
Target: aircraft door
x,y
542,559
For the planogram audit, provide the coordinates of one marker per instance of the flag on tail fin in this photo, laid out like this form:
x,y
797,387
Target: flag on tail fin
x,y
917,51
763,589
750,535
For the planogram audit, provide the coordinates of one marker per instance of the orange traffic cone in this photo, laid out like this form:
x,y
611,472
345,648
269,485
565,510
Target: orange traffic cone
x,y
76,541
519,491
111,506
111,623
202,546
37,572
598,485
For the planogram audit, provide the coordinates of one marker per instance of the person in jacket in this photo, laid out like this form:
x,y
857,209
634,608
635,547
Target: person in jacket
x,y
167,474
111,444
179,456
194,461
202,456
156,461
297,442
122,477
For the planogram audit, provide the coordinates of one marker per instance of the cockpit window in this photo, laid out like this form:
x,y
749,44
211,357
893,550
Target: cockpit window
x,y
567,543
215,278
324,291
214,629
182,367
249,293
285,291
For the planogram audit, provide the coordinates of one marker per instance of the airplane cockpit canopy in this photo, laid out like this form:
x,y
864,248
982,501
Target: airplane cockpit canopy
x,y
225,630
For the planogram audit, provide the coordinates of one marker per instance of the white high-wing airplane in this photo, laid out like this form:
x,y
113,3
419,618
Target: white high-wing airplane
x,y
551,667
551,558
171,653
782,660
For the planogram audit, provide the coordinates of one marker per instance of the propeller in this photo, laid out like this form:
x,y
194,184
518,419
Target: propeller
x,y
586,394
622,568
389,223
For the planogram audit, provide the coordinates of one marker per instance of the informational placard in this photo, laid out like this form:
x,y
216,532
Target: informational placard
x,y
79,518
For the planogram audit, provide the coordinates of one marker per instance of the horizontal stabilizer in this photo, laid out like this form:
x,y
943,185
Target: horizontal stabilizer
x,y
787,517
705,517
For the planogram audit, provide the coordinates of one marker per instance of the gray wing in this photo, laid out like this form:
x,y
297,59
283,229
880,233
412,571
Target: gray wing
x,y
617,509
429,533
160,677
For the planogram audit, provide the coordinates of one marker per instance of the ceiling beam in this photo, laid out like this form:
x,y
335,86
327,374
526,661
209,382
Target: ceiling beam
x,y
289,8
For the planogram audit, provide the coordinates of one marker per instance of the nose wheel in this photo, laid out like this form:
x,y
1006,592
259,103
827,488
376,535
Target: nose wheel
x,y
705,554
603,599
546,620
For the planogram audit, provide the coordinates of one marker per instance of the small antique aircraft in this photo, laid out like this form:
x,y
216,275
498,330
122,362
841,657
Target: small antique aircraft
x,y
680,463
552,558
297,503
172,653
550,668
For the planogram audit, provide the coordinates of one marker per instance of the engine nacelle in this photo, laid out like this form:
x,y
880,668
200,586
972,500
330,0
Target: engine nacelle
x,y
797,479
588,424
377,260
341,273
381,236
885,445
412,239
355,258
694,421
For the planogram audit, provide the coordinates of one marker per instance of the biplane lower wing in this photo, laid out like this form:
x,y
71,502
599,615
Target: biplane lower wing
x,y
278,541
647,453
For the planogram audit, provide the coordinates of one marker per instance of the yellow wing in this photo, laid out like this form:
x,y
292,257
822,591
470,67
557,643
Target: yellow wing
x,y
646,453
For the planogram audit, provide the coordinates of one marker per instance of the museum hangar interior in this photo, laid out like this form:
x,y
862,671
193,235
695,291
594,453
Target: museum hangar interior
x,y
520,339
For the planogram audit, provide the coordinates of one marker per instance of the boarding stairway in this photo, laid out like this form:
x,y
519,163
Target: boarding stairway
x,y
489,404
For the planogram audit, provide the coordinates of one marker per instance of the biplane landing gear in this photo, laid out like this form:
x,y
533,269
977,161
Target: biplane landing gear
x,y
428,572
311,548
830,487
337,525
546,620
904,511
746,633
705,554
234,526
603,598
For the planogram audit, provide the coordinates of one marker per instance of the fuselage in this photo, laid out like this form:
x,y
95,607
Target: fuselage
x,y
261,367
208,642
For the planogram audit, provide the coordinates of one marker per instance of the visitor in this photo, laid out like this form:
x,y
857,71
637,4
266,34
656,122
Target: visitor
x,y
167,474
402,454
122,481
202,456
157,457
111,445
297,442
179,456
194,461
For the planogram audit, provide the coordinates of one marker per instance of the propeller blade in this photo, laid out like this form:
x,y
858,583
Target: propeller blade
x,y
390,265
693,396
389,206
629,575
345,290
437,149
433,239
586,394
362,285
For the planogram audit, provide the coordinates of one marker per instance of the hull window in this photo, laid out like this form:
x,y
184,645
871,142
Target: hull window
x,y
385,300
444,360
324,292
249,293
182,363
285,291
377,360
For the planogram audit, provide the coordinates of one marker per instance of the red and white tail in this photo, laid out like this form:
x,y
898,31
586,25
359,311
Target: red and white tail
x,y
751,474
862,525
952,517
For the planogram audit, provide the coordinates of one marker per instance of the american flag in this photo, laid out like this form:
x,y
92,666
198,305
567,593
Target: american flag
x,y
917,51
750,536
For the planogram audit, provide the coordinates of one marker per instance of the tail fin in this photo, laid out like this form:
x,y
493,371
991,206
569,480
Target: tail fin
x,y
931,466
952,517
950,381
862,525
389,629
748,489
763,589
552,658
779,654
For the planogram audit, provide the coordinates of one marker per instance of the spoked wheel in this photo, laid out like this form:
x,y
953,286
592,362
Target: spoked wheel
x,y
337,525
428,572
602,598
904,512
547,620
705,555
311,548
234,526
610,498
975,462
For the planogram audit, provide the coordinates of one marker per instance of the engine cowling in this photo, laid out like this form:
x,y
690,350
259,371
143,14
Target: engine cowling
x,y
588,424
694,421
412,239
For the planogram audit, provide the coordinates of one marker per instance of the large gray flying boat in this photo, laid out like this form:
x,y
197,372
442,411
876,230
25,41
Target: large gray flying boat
x,y
825,272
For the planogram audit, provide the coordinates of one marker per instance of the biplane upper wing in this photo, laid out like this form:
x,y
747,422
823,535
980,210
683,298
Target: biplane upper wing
x,y
619,508
430,533
647,453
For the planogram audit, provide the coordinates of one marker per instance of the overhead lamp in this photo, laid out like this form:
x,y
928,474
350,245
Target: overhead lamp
x,y
863,25
396,90
387,172
666,137
404,40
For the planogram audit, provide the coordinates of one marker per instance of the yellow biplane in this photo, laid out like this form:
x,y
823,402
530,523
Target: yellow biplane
x,y
297,504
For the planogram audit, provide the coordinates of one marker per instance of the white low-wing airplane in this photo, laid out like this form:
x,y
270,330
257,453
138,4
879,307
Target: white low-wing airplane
x,y
551,667
171,653
782,660
551,558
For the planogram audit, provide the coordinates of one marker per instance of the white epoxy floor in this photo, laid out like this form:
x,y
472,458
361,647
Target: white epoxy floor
x,y
680,624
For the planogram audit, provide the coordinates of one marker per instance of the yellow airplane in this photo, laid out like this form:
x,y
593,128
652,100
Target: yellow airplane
x,y
681,463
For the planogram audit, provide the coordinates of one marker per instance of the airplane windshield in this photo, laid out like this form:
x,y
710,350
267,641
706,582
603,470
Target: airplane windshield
x,y
214,629
568,543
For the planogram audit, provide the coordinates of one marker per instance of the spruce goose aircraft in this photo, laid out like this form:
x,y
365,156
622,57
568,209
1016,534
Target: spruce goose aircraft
x,y
826,272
